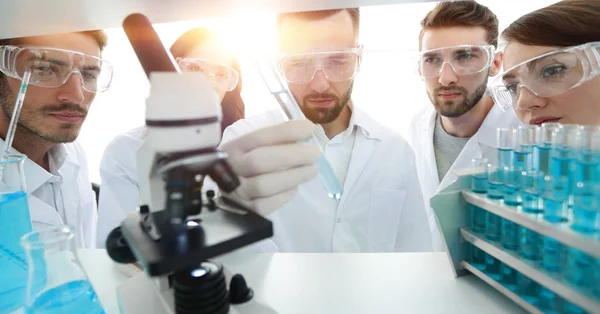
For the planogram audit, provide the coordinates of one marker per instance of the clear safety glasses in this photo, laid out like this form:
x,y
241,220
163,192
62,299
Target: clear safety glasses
x,y
222,77
463,59
53,67
548,75
338,66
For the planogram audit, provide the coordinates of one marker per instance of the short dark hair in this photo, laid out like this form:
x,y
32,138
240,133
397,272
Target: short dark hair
x,y
562,24
233,106
322,14
98,35
462,14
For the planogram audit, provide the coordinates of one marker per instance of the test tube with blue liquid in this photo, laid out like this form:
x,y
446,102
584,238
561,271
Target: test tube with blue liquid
x,y
495,176
566,141
531,191
541,152
556,196
580,269
523,146
527,289
477,257
552,255
492,267
271,76
508,277
530,244
549,302
587,161
504,141
585,207
478,185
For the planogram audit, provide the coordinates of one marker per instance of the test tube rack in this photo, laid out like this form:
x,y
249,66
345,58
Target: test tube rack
x,y
452,210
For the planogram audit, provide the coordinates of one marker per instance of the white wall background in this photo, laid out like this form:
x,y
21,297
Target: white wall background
x,y
388,87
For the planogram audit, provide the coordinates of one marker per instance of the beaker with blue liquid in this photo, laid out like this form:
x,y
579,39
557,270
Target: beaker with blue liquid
x,y
56,281
15,222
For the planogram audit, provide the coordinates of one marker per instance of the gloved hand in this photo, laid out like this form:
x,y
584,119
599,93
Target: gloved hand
x,y
271,164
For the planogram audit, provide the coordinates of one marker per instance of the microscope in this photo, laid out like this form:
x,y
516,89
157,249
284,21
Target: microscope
x,y
178,228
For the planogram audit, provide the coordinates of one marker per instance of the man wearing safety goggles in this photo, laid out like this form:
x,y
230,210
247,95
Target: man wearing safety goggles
x,y
457,55
381,209
66,73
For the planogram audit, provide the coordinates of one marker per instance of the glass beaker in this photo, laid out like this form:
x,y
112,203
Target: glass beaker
x,y
15,222
56,281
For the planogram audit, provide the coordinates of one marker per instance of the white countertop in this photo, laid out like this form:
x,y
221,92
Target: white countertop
x,y
337,283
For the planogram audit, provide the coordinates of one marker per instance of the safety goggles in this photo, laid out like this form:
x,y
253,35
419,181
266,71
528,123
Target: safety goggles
x,y
463,59
222,77
53,67
338,66
548,75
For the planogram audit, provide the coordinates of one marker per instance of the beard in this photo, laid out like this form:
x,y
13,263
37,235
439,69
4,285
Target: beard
x,y
325,115
31,120
451,109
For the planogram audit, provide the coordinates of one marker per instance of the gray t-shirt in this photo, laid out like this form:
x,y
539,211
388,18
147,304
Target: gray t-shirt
x,y
446,147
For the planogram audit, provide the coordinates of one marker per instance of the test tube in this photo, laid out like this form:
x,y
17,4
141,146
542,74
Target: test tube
x,y
509,277
587,161
549,301
556,194
510,235
493,228
541,152
477,257
523,146
478,219
529,246
513,179
552,255
505,139
527,289
492,267
565,145
479,178
580,269
495,181
532,189
585,208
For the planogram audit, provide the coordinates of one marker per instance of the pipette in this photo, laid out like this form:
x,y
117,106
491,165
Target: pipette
x,y
12,127
291,111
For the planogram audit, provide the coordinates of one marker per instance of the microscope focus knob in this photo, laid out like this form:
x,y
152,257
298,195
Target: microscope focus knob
x,y
239,292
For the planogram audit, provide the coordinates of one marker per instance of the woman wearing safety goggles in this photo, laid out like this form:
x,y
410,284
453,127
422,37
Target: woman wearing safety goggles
x,y
198,50
552,65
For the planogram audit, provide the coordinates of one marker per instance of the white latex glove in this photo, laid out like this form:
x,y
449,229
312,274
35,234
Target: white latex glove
x,y
271,164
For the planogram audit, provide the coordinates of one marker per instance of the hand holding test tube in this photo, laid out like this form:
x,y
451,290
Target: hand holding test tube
x,y
291,111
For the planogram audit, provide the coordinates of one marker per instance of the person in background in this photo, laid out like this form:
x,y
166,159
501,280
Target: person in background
x,y
552,65
197,50
457,45
381,208
66,73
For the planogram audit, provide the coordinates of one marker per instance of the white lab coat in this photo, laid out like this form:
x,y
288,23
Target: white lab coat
x,y
75,190
482,144
381,209
119,191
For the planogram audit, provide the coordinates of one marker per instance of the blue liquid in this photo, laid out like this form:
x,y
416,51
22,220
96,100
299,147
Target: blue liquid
x,y
530,244
560,162
477,257
478,219
549,302
527,289
541,159
512,196
495,190
329,179
510,236
571,308
15,222
531,201
584,210
479,183
509,277
555,206
72,297
586,167
580,269
523,159
492,267
493,227
596,289
504,157
552,255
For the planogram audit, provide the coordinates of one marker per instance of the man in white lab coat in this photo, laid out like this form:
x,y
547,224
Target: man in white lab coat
x,y
381,209
66,73
457,55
